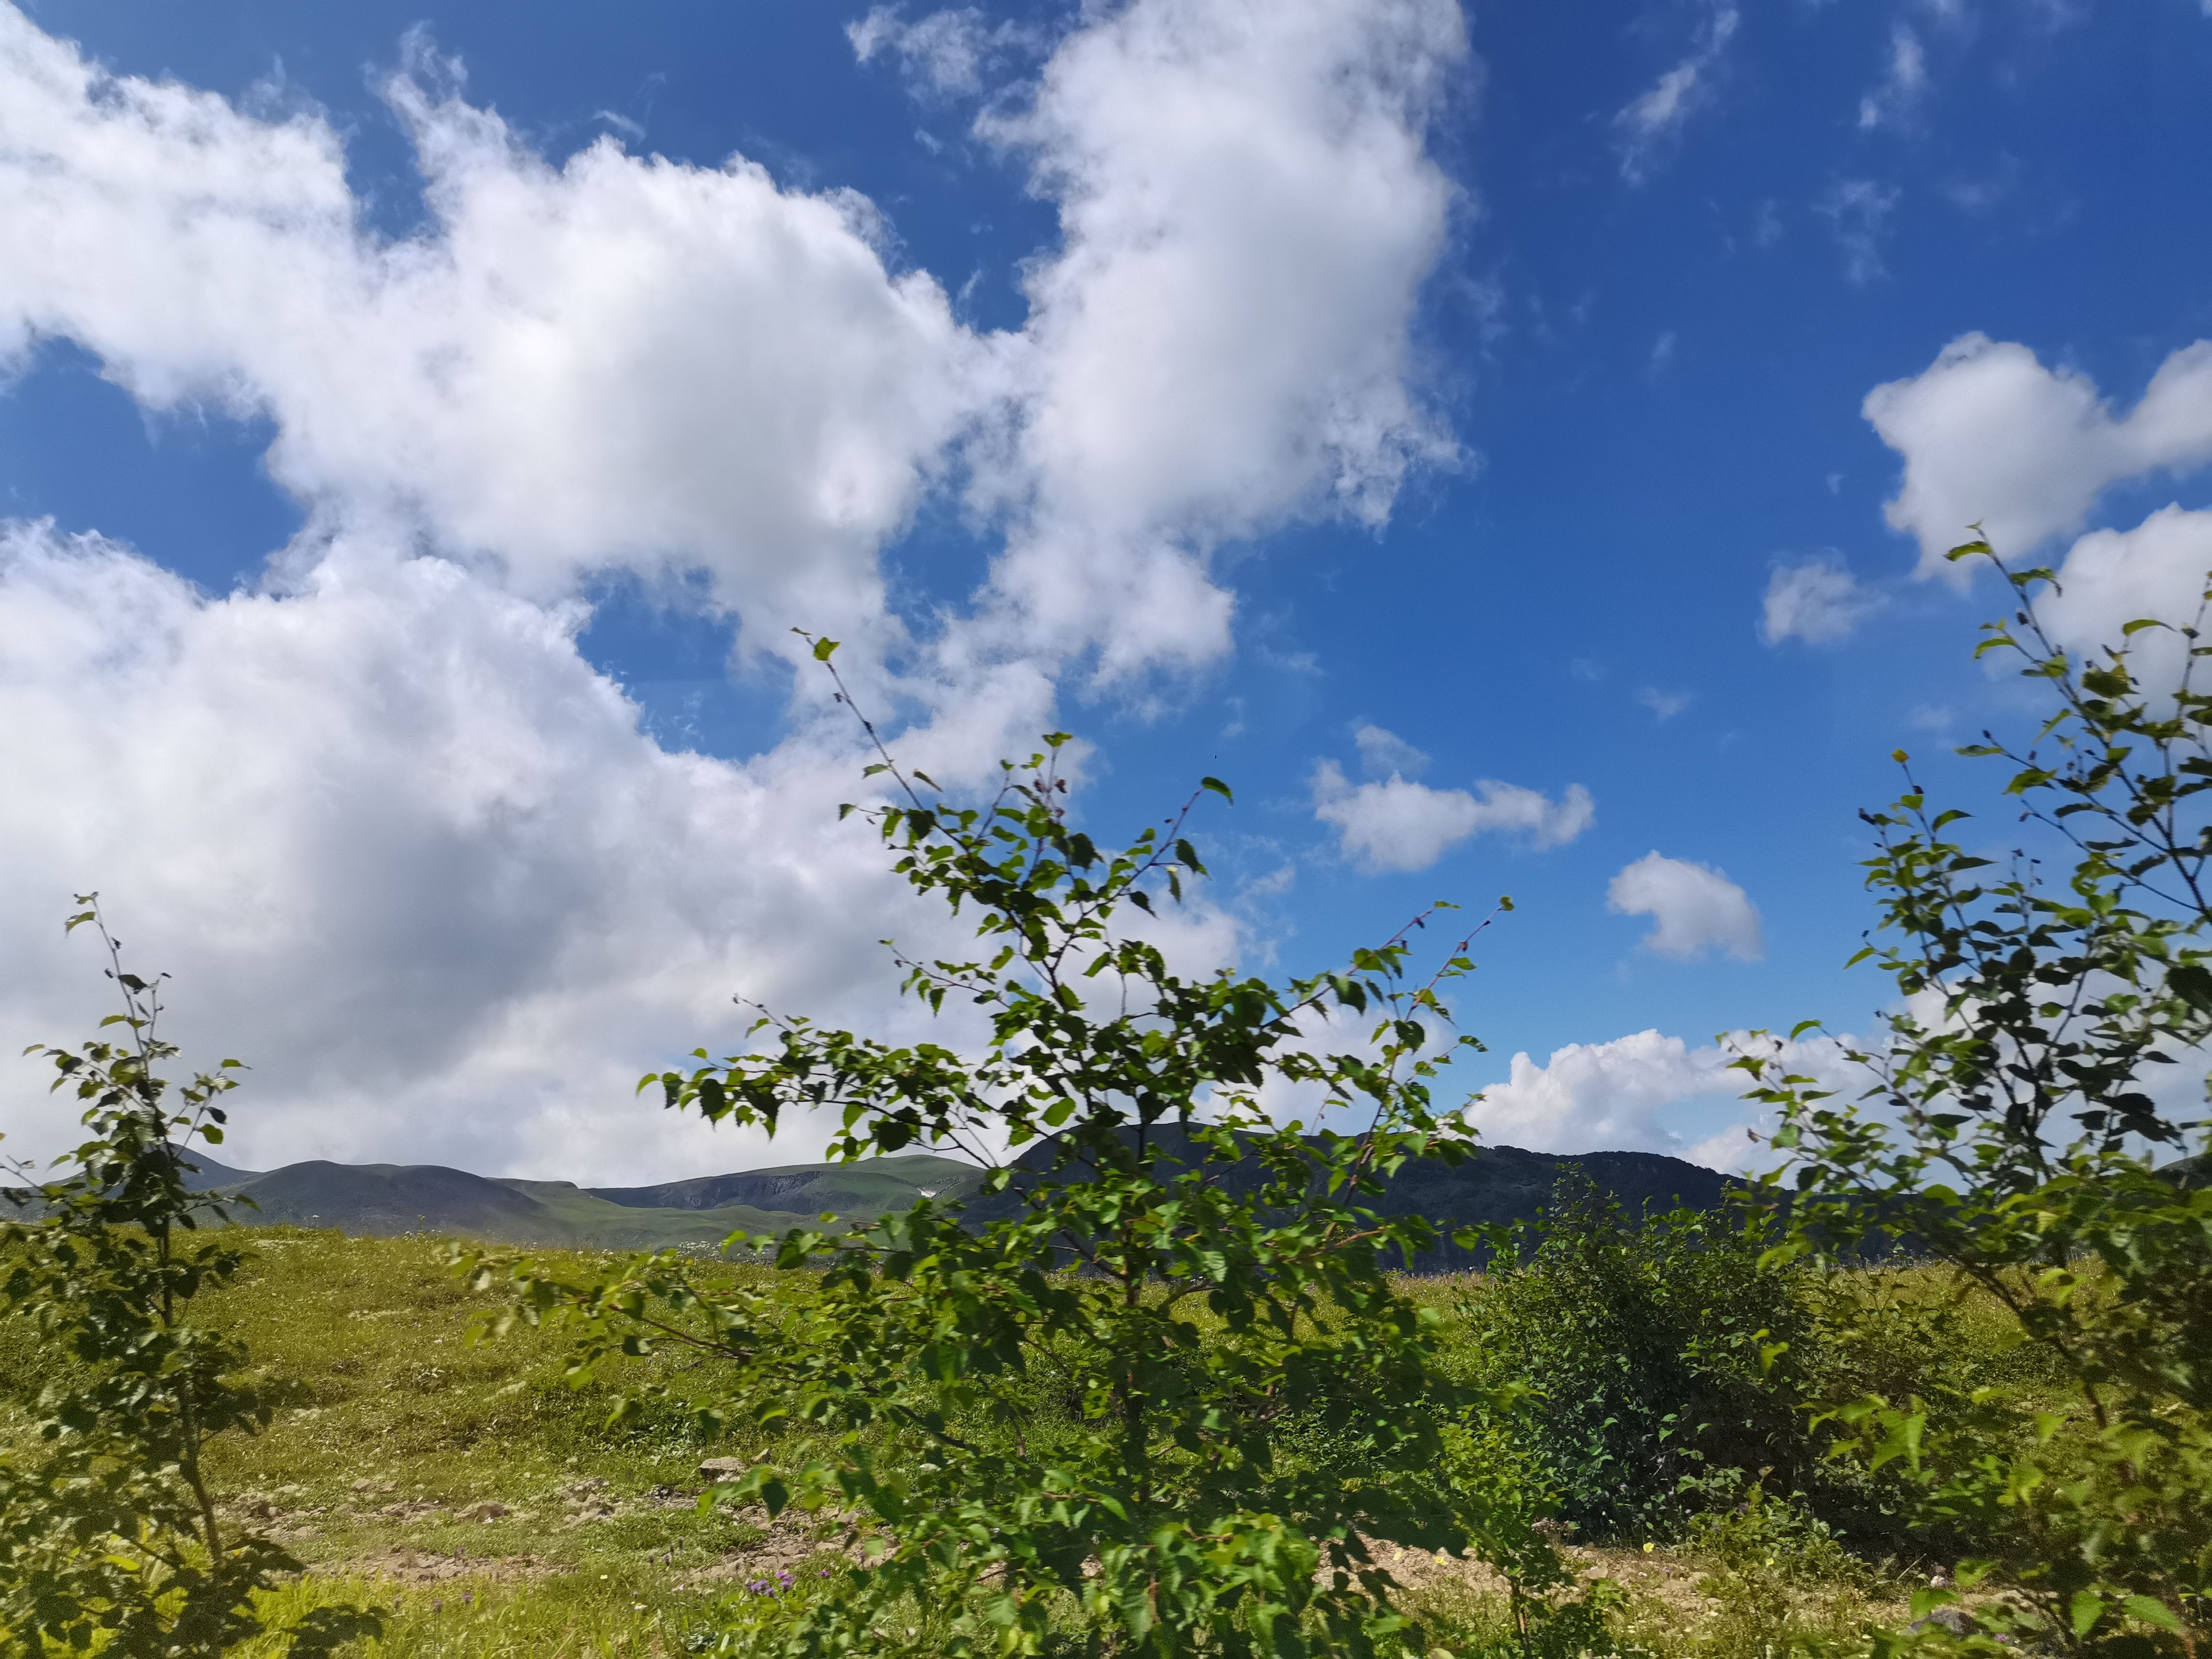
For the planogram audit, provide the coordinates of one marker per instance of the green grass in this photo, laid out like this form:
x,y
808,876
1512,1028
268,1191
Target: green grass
x,y
399,1425
578,1215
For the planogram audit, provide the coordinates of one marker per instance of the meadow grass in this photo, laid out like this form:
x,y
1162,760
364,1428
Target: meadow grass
x,y
465,1487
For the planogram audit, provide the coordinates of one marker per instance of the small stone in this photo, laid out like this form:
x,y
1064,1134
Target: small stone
x,y
715,1471
1957,1621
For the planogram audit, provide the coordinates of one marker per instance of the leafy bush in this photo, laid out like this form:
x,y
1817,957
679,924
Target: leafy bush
x,y
112,1541
1173,1409
2012,1131
1661,1363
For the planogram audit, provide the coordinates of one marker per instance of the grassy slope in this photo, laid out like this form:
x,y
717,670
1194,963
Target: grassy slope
x,y
582,1217
865,1188
389,1199
402,1423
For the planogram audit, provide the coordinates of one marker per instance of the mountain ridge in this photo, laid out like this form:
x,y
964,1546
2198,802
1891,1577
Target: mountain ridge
x,y
386,1198
1497,1184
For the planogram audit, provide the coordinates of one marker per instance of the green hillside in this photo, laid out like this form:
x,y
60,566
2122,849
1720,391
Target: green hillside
x,y
390,1199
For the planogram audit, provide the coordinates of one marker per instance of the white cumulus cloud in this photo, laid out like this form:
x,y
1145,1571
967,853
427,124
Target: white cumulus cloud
x,y
1816,600
1394,824
404,849
1694,908
1633,1093
408,855
613,363
1990,435
2160,569
1223,343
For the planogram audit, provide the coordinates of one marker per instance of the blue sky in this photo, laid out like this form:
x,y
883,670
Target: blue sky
x,y
1314,394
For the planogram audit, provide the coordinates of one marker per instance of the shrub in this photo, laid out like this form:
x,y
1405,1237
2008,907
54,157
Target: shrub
x,y
2011,1131
1662,1364
1171,1408
111,1541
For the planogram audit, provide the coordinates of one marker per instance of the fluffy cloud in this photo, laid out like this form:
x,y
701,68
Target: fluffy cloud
x,y
627,362
407,851
1651,124
1693,908
413,859
2110,578
408,855
1634,1094
1990,435
1393,823
1223,343
1816,600
616,362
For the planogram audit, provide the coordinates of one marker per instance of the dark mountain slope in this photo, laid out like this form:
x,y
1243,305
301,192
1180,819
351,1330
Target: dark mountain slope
x,y
396,1198
386,1198
871,1187
1497,1184
212,1173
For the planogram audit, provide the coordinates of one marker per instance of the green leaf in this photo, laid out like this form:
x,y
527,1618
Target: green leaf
x,y
2153,1613
825,650
1218,789
2083,1611
2192,983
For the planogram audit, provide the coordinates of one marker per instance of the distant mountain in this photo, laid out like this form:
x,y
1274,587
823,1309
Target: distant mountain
x,y
391,1197
386,1198
211,1173
880,1185
1497,1184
